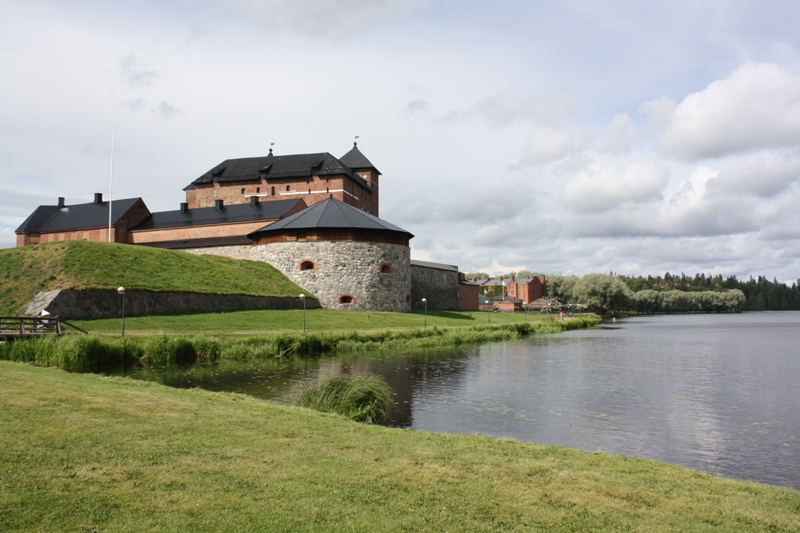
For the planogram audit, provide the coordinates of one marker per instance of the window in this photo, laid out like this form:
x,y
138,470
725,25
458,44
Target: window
x,y
346,299
273,191
408,298
242,190
307,265
258,190
287,187
386,269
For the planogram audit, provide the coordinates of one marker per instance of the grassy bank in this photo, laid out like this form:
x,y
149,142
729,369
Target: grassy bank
x,y
82,264
80,351
316,320
85,453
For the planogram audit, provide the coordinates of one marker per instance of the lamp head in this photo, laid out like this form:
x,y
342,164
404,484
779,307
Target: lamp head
x,y
303,296
121,290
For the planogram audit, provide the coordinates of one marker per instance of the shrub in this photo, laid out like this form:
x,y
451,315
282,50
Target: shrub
x,y
364,398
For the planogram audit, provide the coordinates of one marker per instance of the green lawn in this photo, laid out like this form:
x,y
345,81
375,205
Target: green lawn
x,y
79,264
87,453
292,320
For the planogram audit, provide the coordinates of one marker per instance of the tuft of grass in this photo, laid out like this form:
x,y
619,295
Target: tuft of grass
x,y
79,352
365,398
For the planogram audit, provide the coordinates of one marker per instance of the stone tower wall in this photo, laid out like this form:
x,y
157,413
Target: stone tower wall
x,y
345,269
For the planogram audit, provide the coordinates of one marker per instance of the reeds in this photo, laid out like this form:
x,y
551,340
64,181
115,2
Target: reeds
x,y
366,398
89,351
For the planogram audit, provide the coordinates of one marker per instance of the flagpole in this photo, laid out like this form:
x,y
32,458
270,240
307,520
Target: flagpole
x,y
111,184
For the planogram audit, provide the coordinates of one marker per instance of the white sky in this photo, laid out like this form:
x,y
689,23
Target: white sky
x,y
563,137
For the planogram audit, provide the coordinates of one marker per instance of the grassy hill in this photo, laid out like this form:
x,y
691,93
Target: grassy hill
x,y
81,264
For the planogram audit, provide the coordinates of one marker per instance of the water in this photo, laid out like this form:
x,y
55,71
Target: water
x,y
717,393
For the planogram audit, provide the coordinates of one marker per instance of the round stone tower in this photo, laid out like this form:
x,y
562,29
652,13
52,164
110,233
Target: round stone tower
x,y
346,257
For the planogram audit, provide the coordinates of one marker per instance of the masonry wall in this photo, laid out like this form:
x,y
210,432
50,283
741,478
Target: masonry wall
x,y
440,287
469,296
312,189
236,252
197,232
107,303
345,269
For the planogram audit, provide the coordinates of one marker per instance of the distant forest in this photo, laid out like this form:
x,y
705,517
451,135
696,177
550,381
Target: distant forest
x,y
761,294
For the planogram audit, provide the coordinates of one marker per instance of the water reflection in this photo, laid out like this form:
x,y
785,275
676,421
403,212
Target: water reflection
x,y
714,392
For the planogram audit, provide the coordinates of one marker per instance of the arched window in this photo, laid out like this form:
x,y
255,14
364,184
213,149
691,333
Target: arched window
x,y
386,269
408,298
242,190
258,190
307,265
273,191
346,299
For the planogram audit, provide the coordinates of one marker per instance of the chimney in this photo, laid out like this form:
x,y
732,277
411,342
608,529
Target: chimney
x,y
218,204
61,203
254,200
184,207
98,198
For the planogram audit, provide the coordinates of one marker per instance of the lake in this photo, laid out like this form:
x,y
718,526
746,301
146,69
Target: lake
x,y
718,393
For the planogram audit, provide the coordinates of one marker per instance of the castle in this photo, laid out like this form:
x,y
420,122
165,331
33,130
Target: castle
x,y
314,217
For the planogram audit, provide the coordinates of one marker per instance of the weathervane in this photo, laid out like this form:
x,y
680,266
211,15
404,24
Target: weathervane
x,y
355,143
270,148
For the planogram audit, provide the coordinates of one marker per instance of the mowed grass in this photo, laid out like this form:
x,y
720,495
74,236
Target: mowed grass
x,y
82,264
87,453
292,320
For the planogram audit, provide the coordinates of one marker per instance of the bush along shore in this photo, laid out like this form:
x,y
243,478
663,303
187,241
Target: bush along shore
x,y
78,352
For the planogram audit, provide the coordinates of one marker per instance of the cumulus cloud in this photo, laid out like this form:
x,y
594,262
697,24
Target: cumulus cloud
x,y
504,109
687,210
763,174
546,144
599,188
757,106
619,137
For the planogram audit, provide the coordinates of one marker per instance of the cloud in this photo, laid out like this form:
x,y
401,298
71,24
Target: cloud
x,y
332,18
165,111
507,108
133,73
763,174
416,107
619,136
758,106
133,106
599,188
485,203
546,144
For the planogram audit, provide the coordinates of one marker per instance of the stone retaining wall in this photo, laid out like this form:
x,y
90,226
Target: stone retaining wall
x,y
440,287
107,303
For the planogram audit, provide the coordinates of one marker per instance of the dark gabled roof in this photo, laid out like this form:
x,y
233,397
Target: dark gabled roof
x,y
437,266
331,214
79,216
211,215
356,160
505,299
277,167
40,216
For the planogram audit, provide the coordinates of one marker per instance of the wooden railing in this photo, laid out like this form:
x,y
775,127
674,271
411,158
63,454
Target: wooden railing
x,y
20,327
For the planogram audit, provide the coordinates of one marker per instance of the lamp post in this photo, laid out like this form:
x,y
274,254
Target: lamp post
x,y
488,313
303,297
121,290
425,323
